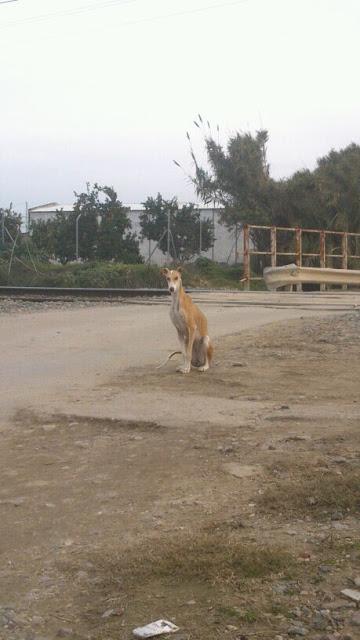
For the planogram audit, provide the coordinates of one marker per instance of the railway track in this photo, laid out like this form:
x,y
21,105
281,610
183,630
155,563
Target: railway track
x,y
327,301
56,293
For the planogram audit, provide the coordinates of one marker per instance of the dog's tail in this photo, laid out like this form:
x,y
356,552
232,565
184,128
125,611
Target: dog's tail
x,y
174,353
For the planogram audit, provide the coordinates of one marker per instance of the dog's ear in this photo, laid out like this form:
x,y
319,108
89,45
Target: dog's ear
x,y
164,272
179,269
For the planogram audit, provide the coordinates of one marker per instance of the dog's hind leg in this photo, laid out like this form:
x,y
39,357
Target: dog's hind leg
x,y
205,351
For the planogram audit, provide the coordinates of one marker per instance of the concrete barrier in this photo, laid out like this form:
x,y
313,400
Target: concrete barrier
x,y
276,277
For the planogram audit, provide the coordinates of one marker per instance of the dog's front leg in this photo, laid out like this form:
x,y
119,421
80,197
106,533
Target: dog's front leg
x,y
181,337
189,342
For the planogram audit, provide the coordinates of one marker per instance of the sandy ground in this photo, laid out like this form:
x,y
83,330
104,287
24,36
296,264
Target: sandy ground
x,y
129,493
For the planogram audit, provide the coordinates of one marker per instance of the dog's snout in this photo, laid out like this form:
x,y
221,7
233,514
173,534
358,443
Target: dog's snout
x,y
172,289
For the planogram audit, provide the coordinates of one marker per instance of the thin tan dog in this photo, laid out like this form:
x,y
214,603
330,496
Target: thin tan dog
x,y
191,325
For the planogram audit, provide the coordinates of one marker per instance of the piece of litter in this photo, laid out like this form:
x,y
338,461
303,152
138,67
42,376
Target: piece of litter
x,y
352,594
153,629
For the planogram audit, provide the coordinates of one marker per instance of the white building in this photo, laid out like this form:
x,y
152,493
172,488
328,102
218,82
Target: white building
x,y
225,242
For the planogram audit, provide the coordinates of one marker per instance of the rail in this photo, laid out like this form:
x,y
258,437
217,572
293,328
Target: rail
x,y
348,241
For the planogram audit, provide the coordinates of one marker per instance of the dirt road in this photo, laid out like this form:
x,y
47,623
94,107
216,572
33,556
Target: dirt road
x,y
57,355
227,502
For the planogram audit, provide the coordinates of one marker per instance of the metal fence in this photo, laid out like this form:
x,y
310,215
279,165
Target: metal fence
x,y
339,247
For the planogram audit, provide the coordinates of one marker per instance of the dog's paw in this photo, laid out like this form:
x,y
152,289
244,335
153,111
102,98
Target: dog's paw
x,y
202,369
183,369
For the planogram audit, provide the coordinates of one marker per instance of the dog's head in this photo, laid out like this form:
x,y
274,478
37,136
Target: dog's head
x,y
173,278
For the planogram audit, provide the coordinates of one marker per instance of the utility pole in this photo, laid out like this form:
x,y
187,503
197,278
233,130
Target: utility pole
x,y
213,227
77,236
27,221
200,238
168,236
3,228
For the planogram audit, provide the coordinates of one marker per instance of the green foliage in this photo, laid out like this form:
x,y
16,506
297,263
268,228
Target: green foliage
x,y
10,225
104,230
238,178
184,227
338,179
112,274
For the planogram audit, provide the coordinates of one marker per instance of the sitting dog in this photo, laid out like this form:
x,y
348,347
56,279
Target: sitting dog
x,y
191,325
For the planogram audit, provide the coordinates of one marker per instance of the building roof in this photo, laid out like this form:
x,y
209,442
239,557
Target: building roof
x,y
53,207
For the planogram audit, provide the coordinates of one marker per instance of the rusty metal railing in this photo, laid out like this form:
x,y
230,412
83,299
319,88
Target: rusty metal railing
x,y
298,254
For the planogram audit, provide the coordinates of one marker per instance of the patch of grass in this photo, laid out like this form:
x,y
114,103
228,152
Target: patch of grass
x,y
202,558
313,492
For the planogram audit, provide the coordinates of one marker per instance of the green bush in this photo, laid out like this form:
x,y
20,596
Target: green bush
x,y
203,273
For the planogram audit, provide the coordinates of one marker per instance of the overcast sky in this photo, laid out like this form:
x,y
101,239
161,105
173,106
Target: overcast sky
x,y
105,90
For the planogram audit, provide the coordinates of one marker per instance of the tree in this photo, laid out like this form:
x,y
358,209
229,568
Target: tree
x,y
237,177
184,224
104,229
43,237
10,226
115,240
338,179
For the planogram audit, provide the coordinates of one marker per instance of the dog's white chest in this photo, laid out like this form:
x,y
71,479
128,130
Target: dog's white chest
x,y
177,317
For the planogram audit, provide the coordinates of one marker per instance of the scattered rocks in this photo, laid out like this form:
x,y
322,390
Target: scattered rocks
x,y
285,588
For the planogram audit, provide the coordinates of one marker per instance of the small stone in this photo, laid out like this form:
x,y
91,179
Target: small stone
x,y
337,515
293,632
241,470
311,500
320,622
82,444
15,502
325,568
112,612
231,627
37,620
355,620
190,603
48,427
228,449
64,632
357,581
339,460
353,594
